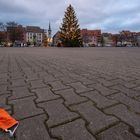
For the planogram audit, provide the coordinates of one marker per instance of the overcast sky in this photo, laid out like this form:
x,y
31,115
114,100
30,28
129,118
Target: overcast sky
x,y
108,15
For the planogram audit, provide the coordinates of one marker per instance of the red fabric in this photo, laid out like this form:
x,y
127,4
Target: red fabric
x,y
6,121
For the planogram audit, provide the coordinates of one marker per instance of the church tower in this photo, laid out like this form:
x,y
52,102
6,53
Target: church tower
x,y
49,35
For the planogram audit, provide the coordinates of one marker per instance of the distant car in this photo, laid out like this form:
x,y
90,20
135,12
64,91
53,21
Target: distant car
x,y
129,45
108,45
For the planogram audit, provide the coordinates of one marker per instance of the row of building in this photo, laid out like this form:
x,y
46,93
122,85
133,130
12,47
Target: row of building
x,y
29,36
94,38
33,35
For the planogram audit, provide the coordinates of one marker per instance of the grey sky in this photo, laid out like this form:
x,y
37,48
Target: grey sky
x,y
108,15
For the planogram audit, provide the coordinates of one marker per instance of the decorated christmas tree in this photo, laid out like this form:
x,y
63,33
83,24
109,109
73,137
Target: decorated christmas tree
x,y
69,30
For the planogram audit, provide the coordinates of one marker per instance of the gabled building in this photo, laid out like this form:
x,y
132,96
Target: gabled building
x,y
91,37
34,35
108,40
56,39
16,33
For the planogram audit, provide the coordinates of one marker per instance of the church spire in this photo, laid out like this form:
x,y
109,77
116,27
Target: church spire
x,y
49,27
49,35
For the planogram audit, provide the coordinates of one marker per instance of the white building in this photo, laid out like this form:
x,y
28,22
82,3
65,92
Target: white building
x,y
34,35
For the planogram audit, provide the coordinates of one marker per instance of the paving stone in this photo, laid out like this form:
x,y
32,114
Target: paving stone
x,y
16,75
57,85
74,76
131,103
43,74
25,107
4,76
127,91
107,83
17,83
97,120
57,112
118,132
74,130
70,96
3,88
57,74
102,89
86,81
126,116
67,80
4,101
45,94
127,79
32,76
100,100
33,129
4,82
20,92
37,84
80,87
49,78
137,88
130,85
108,77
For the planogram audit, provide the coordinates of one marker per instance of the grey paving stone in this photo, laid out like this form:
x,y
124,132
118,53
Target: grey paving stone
x,y
17,83
49,78
4,82
3,88
44,74
33,129
74,130
32,76
45,94
16,75
118,132
4,101
126,116
70,96
137,88
97,120
79,87
37,84
131,103
25,107
57,112
86,81
103,90
67,80
57,85
107,83
130,85
57,74
127,79
4,75
20,92
127,91
99,99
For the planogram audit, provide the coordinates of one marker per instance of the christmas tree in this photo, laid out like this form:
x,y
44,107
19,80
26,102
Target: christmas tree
x,y
70,31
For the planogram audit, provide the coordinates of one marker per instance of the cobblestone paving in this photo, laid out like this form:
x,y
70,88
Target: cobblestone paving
x,y
71,93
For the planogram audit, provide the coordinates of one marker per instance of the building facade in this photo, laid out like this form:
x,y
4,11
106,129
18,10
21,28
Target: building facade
x,y
34,35
91,38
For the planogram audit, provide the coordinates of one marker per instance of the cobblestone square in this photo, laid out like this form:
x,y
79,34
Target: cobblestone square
x,y
71,93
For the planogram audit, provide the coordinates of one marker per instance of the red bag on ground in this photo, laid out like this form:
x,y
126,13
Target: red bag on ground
x,y
7,122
